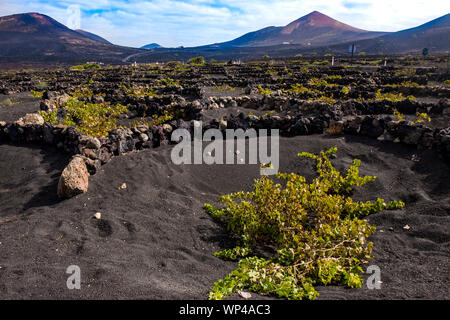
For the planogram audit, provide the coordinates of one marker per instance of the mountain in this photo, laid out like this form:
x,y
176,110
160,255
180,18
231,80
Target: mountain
x,y
34,37
92,36
151,46
434,35
312,30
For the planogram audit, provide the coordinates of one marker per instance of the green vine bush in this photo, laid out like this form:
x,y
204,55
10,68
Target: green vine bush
x,y
86,66
264,91
197,61
318,232
89,118
391,96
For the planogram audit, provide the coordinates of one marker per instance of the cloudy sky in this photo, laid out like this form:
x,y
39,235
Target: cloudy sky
x,y
198,22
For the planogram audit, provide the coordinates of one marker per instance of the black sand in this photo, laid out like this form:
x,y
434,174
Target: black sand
x,y
15,106
154,241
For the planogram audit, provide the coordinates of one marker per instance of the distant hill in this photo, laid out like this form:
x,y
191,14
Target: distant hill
x,y
151,46
37,38
312,30
34,37
434,35
92,36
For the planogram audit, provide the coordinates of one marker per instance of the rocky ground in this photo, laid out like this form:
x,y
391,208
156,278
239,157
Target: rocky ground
x,y
153,239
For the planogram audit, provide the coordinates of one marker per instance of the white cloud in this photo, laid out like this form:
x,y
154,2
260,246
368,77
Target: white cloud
x,y
198,22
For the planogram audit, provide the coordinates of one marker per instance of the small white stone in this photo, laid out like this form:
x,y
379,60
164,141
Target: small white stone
x,y
245,295
123,186
406,227
98,215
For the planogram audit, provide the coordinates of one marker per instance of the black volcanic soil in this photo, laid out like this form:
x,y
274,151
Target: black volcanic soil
x,y
154,241
15,106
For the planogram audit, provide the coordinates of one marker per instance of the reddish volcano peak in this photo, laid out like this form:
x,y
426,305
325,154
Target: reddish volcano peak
x,y
40,19
318,20
28,22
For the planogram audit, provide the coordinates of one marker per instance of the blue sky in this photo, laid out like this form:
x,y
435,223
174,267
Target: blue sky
x,y
199,22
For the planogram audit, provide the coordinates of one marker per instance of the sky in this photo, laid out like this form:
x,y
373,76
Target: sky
x,y
187,23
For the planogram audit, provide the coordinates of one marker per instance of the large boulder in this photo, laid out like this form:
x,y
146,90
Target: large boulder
x,y
74,179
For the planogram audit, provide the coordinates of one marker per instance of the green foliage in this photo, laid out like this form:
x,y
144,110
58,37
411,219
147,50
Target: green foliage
x,y
304,69
345,90
168,82
321,62
447,82
325,99
197,61
316,82
268,114
408,83
406,72
224,87
391,96
138,92
334,77
421,118
157,120
233,254
86,66
81,92
375,62
37,94
49,116
398,115
264,91
315,228
91,119
7,102
298,89
182,68
42,85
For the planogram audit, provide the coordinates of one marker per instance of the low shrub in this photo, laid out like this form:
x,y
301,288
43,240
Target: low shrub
x,y
224,87
86,66
89,118
316,229
345,90
197,61
138,92
298,89
421,118
392,96
321,62
325,99
264,91
398,115
168,82
156,120
316,82
37,94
